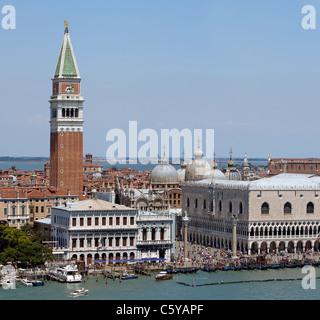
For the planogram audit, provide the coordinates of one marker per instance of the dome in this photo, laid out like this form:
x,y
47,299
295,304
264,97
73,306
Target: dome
x,y
181,174
216,174
199,168
164,173
232,174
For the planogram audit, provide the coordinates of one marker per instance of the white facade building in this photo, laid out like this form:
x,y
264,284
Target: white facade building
x,y
273,214
100,230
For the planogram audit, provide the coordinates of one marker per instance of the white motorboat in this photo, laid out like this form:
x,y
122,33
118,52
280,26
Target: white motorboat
x,y
68,273
26,282
79,292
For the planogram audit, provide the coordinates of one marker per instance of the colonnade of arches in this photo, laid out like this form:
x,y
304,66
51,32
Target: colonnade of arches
x,y
255,246
90,257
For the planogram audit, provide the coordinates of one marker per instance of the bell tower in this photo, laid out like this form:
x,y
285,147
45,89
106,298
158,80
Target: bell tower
x,y
66,122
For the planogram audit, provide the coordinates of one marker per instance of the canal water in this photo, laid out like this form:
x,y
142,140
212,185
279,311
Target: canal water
x,y
179,288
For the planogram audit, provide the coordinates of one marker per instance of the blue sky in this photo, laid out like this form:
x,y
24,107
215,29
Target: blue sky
x,y
244,68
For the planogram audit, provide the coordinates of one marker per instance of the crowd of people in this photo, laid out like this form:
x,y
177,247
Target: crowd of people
x,y
199,256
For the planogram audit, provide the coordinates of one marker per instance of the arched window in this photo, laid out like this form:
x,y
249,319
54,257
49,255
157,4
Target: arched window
x,y
220,206
265,208
230,206
63,112
287,208
188,202
310,207
196,203
240,208
204,204
211,206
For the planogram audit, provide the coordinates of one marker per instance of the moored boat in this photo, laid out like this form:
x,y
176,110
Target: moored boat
x,y
127,276
68,274
163,275
26,282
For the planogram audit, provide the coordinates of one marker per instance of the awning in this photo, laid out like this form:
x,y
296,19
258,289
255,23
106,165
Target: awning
x,y
131,260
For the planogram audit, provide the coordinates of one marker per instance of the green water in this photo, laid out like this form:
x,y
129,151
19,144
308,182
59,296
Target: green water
x,y
147,288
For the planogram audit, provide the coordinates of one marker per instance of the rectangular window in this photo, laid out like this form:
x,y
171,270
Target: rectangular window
x,y
104,221
124,242
96,221
162,234
74,243
131,241
110,242
88,221
110,221
88,242
117,241
81,243
5,211
124,221
132,221
117,221
74,222
81,222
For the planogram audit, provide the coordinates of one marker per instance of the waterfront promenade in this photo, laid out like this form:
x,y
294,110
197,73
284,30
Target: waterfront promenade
x,y
200,256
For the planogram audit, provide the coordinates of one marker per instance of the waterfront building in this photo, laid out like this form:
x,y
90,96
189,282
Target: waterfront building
x,y
271,214
66,122
95,229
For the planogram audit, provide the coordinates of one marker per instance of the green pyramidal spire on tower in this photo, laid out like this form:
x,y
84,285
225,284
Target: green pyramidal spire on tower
x,y
67,65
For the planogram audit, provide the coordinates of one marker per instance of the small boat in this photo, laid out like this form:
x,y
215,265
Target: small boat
x,y
127,276
30,283
163,275
79,292
26,282
37,283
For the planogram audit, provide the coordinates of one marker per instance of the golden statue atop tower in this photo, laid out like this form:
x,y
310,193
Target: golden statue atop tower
x,y
66,26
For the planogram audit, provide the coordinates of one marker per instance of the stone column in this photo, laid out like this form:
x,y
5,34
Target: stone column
x,y
234,236
185,221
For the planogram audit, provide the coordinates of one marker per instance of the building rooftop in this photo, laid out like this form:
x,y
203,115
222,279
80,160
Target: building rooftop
x,y
93,205
284,181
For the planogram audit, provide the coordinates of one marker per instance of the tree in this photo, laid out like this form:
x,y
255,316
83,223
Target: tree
x,y
15,246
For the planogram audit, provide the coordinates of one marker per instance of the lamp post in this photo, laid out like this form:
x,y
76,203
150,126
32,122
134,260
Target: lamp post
x,y
185,221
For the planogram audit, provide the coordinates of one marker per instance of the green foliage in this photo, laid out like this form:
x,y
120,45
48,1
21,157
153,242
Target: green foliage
x,y
15,245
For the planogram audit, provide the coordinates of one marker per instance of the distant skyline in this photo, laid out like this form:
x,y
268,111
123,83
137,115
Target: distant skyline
x,y
246,69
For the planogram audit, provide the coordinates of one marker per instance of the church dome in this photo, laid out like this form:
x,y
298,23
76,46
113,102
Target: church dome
x,y
164,173
216,174
199,168
181,174
232,174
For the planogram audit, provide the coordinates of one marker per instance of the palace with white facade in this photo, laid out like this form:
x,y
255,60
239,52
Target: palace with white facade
x,y
272,214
